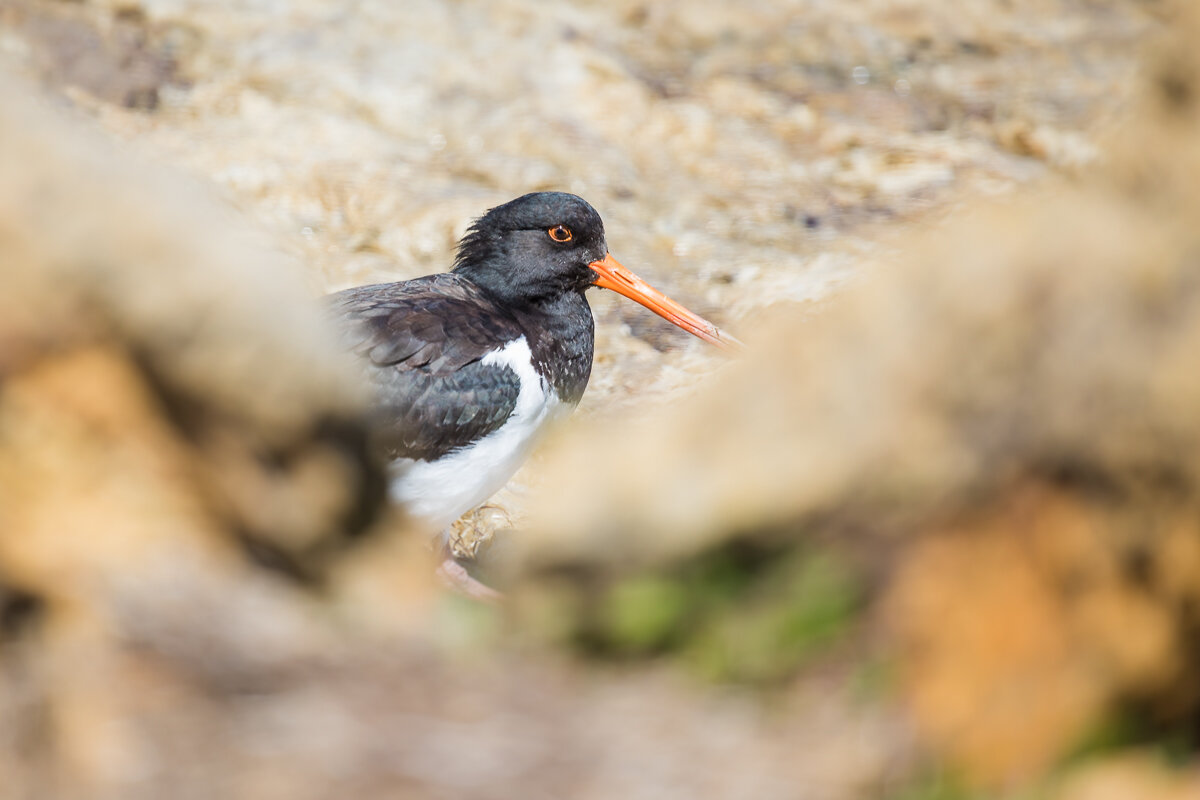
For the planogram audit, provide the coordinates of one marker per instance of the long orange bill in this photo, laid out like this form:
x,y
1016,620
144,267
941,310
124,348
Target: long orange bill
x,y
611,275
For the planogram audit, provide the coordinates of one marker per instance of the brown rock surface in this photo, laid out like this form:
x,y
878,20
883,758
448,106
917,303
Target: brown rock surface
x,y
1000,426
951,492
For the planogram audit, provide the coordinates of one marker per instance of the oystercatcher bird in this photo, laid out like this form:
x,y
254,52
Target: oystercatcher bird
x,y
470,366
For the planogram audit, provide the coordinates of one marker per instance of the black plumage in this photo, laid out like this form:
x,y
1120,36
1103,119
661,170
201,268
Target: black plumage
x,y
421,342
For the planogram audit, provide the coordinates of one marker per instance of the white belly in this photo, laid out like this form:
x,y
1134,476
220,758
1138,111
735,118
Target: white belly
x,y
441,491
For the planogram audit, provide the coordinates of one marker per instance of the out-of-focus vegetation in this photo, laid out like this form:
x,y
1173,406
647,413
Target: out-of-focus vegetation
x,y
935,537
742,612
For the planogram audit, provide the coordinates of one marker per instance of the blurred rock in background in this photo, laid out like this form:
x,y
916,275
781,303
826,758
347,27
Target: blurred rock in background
x,y
935,537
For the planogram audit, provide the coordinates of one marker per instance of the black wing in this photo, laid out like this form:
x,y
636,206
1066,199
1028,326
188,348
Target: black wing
x,y
422,342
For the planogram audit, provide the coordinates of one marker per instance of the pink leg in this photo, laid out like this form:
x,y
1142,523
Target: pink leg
x,y
456,577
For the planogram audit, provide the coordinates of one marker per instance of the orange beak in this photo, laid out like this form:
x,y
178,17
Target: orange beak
x,y
611,275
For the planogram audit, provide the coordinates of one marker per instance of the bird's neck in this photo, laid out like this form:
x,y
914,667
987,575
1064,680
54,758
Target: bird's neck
x,y
561,336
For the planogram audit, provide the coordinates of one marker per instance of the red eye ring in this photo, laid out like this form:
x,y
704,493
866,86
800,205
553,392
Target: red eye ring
x,y
561,234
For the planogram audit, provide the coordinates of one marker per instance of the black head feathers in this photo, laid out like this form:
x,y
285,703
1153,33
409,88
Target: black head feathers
x,y
534,247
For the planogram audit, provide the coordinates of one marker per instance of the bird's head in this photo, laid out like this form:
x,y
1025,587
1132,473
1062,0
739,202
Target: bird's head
x,y
537,246
544,244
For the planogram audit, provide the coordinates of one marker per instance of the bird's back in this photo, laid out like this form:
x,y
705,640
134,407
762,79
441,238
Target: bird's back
x,y
423,344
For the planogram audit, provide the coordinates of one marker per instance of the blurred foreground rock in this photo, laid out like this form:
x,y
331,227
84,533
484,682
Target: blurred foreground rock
x,y
971,485
1001,429
172,413
138,314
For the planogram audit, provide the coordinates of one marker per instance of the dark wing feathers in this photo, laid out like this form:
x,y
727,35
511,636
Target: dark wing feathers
x,y
422,342
425,416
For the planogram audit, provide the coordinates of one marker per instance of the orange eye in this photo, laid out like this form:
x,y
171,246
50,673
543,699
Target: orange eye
x,y
561,234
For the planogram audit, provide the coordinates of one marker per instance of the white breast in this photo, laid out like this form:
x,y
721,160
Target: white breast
x,y
443,490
